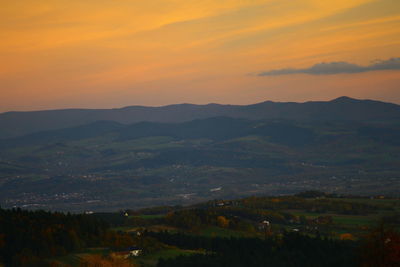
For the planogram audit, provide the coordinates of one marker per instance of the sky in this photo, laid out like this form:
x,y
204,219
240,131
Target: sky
x,y
58,54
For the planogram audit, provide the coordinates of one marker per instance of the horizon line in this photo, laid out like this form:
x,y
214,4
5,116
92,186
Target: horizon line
x,y
206,104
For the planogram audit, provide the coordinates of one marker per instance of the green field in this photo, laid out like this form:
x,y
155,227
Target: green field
x,y
74,259
214,231
149,216
151,259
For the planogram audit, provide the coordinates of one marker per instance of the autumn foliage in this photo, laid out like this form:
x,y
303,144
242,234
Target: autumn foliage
x,y
101,261
381,248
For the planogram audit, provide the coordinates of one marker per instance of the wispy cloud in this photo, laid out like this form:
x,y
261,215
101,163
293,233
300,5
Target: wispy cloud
x,y
338,68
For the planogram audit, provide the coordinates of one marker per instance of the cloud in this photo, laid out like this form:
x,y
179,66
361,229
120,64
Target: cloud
x,y
337,68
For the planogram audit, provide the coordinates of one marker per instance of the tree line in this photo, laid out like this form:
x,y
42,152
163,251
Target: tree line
x,y
28,238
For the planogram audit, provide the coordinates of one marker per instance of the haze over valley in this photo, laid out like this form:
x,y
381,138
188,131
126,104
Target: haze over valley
x,y
81,160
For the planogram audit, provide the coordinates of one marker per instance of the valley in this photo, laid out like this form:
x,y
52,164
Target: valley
x,y
106,165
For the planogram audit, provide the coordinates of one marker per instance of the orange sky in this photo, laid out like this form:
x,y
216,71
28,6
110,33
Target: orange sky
x,y
103,54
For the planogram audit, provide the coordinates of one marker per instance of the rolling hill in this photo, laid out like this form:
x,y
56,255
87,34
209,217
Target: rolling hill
x,y
181,154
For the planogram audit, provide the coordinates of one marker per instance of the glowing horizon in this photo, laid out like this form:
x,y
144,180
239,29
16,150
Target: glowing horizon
x,y
106,54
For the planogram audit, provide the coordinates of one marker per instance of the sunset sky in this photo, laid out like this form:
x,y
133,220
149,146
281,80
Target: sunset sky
x,y
103,54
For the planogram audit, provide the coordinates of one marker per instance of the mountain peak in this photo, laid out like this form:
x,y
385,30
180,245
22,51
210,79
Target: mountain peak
x,y
344,99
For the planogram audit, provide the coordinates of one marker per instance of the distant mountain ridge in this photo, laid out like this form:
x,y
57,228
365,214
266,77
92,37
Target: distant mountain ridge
x,y
14,124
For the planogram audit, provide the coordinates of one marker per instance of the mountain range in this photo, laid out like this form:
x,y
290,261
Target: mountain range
x,y
343,108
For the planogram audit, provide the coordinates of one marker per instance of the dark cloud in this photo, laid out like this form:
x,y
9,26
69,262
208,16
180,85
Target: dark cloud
x,y
338,67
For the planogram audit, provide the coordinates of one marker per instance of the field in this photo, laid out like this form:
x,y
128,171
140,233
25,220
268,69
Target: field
x,y
331,223
75,259
152,259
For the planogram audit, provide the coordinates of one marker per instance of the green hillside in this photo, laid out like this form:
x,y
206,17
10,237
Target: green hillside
x,y
106,165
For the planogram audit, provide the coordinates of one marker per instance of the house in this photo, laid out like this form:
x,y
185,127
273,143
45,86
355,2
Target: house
x,y
128,252
264,225
134,251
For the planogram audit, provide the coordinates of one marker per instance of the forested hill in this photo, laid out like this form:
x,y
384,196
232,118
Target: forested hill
x,y
344,108
310,229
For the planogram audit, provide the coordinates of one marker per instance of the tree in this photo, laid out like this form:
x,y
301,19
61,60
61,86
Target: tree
x,y
222,222
381,248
